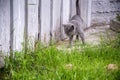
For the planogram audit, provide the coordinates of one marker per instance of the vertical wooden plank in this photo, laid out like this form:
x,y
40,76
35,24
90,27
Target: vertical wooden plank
x,y
65,16
26,25
66,10
51,21
70,7
89,10
73,7
32,21
83,7
61,21
45,21
39,20
11,29
5,25
18,24
57,19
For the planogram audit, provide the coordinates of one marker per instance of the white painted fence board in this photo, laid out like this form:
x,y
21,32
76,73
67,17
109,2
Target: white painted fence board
x,y
18,20
45,21
65,16
66,10
5,25
56,19
32,21
89,10
32,2
73,8
84,8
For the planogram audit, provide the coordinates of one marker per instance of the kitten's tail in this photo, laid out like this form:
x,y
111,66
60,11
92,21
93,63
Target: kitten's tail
x,y
78,11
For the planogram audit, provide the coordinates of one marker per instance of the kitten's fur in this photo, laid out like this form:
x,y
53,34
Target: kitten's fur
x,y
75,26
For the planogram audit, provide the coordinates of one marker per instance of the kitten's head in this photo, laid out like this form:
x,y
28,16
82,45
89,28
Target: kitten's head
x,y
68,28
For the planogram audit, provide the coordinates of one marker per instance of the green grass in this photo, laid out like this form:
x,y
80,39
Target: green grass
x,y
88,63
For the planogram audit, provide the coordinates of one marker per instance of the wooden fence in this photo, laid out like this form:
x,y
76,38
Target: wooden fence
x,y
36,20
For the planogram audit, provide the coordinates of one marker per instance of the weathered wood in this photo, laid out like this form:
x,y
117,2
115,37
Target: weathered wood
x,y
11,29
57,14
83,8
26,26
70,7
32,21
66,10
45,22
73,7
51,21
39,20
64,16
61,21
89,11
5,25
18,24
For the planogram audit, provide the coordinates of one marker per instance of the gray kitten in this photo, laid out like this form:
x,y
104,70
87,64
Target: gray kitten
x,y
75,26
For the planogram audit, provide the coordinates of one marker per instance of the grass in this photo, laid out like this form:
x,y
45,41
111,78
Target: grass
x,y
88,63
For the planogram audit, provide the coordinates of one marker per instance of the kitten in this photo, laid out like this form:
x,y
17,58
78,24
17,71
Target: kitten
x,y
75,26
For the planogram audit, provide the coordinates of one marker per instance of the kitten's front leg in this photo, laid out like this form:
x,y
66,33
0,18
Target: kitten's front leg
x,y
82,36
71,41
77,38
